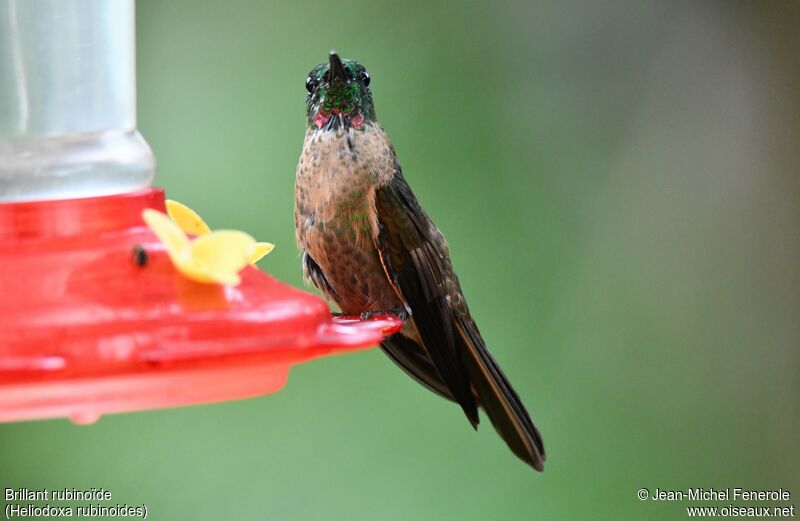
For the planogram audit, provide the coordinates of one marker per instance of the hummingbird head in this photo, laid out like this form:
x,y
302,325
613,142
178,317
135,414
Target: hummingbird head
x,y
339,95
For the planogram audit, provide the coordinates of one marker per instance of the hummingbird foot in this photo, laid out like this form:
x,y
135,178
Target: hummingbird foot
x,y
400,313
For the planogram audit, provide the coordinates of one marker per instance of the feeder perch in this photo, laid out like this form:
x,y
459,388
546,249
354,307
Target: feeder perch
x,y
94,317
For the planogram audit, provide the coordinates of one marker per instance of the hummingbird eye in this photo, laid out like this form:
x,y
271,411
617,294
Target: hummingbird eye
x,y
310,84
365,78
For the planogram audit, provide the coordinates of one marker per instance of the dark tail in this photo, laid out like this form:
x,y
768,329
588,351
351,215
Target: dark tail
x,y
499,400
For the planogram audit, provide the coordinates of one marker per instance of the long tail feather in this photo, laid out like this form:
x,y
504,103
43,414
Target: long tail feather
x,y
499,400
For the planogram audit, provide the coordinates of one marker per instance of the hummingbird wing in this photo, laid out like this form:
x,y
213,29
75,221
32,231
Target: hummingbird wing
x,y
416,270
416,260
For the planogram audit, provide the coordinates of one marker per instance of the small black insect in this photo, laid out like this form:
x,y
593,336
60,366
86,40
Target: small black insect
x,y
139,255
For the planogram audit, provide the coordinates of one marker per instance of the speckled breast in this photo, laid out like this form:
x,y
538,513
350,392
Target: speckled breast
x,y
335,219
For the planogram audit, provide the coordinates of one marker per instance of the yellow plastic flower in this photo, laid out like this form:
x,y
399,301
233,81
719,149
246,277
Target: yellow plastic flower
x,y
186,218
216,257
193,224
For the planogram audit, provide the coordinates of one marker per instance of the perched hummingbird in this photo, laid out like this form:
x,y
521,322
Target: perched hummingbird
x,y
369,246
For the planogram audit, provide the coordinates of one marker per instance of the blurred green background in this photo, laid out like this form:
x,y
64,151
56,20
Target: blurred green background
x,y
619,185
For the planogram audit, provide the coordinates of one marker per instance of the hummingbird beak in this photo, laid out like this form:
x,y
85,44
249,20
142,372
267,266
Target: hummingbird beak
x,y
336,69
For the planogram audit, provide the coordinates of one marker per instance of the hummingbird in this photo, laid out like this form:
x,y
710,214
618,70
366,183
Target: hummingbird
x,y
368,245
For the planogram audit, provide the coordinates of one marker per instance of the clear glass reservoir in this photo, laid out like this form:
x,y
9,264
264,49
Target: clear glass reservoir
x,y
68,100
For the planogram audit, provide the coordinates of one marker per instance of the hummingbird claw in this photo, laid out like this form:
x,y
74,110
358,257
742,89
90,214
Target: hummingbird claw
x,y
400,313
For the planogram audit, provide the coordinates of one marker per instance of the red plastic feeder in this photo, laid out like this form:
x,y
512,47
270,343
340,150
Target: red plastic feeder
x,y
87,328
